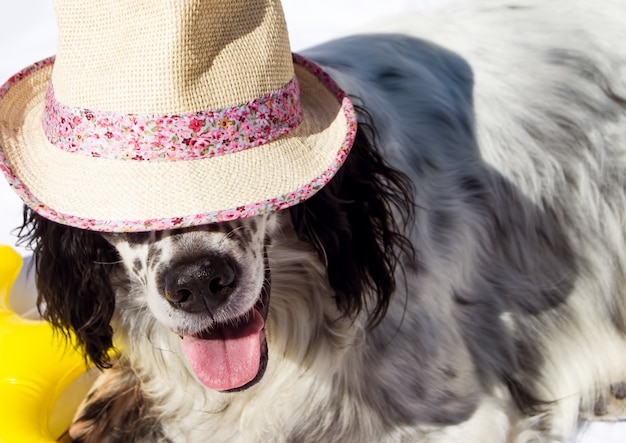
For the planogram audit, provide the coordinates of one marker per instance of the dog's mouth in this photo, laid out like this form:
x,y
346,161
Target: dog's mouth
x,y
232,356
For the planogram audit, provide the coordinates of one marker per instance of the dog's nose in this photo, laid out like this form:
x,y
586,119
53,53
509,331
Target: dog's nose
x,y
200,285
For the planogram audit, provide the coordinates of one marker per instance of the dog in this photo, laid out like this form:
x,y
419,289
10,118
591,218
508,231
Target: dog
x,y
460,279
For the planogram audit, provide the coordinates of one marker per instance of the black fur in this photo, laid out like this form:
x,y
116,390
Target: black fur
x,y
355,222
74,288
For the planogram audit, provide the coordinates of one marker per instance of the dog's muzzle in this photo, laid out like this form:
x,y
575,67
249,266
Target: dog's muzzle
x,y
232,355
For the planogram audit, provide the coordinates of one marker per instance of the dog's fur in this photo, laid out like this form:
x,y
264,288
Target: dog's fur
x,y
461,279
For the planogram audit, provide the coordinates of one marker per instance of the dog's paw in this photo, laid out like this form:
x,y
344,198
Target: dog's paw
x,y
115,410
609,405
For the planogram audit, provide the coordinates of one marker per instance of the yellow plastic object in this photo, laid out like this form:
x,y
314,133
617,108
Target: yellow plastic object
x,y
36,367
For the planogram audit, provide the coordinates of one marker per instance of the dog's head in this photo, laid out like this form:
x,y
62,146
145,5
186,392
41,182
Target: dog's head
x,y
211,284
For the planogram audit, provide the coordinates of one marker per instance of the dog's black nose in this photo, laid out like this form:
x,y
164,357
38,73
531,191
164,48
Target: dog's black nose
x,y
200,285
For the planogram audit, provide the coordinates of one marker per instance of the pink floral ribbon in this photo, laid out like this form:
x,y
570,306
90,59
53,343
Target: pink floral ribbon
x,y
189,136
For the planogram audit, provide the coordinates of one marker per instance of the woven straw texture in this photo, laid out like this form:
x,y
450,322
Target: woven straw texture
x,y
169,56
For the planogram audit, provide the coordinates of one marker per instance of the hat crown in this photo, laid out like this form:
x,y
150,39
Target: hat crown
x,y
169,56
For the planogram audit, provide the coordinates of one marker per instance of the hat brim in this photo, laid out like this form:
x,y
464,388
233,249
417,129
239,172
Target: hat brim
x,y
123,195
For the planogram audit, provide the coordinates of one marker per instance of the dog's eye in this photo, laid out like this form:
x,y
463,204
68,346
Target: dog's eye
x,y
114,237
132,238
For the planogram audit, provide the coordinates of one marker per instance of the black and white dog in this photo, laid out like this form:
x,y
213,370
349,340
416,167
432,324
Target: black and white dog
x,y
462,279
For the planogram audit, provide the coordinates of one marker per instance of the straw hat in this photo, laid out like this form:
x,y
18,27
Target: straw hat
x,y
158,115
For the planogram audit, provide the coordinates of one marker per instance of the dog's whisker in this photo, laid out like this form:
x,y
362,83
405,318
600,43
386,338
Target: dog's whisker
x,y
109,263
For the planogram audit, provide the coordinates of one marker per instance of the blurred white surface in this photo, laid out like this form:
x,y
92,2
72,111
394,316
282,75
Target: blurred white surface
x,y
28,34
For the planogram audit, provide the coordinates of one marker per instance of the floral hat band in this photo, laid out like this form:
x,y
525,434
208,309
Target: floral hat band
x,y
190,136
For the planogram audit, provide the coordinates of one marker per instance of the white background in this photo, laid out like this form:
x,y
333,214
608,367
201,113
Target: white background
x,y
28,34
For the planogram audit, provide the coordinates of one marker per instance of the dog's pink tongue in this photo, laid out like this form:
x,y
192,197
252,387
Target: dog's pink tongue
x,y
230,357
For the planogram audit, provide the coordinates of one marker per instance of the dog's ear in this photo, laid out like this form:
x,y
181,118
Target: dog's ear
x,y
74,292
355,223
